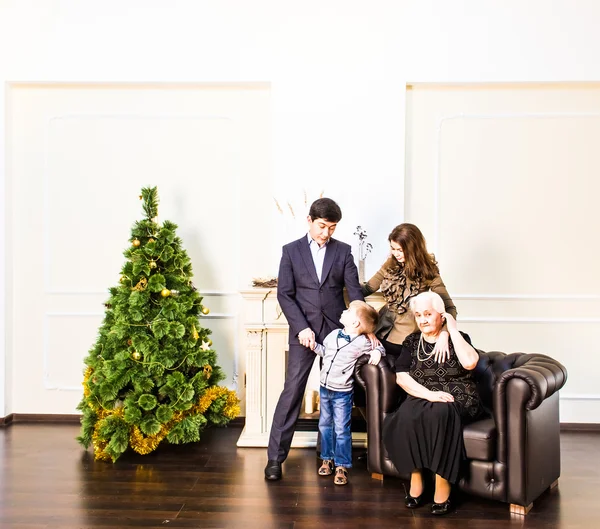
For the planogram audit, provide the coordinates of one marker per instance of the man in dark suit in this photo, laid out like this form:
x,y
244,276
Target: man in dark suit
x,y
310,290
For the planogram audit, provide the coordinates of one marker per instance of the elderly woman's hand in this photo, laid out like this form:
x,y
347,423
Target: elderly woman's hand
x,y
450,321
441,349
439,396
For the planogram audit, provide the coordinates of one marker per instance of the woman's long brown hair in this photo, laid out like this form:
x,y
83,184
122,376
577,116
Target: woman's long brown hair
x,y
417,262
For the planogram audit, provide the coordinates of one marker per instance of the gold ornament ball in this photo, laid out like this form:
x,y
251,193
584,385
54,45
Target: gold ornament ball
x,y
210,343
152,264
136,355
136,242
165,292
205,310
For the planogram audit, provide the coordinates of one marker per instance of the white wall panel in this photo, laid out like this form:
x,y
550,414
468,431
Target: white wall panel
x,y
501,179
79,156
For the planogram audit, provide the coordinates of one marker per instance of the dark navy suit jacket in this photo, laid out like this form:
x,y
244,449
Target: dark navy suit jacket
x,y
308,303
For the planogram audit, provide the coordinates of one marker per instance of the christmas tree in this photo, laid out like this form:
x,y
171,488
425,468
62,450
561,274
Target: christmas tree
x,y
152,374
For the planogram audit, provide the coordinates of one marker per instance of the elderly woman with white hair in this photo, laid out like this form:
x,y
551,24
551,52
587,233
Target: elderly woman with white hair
x,y
425,433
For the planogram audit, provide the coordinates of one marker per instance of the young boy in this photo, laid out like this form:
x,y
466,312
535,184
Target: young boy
x,y
340,351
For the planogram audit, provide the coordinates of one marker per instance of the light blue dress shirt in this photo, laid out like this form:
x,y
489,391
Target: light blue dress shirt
x,y
318,254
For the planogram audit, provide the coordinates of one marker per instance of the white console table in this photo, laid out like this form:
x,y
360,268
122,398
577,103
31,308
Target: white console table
x,y
265,343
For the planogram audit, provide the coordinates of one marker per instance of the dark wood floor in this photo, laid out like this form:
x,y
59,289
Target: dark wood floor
x,y
47,480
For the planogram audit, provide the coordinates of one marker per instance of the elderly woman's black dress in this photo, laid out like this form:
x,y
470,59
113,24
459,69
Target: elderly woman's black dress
x,y
428,435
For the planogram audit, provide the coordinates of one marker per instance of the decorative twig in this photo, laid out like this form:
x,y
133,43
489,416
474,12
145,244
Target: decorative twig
x,y
364,248
278,206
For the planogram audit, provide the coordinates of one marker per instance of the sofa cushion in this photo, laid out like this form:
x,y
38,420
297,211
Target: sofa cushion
x,y
480,440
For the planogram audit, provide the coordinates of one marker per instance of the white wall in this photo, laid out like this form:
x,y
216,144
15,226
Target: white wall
x,y
337,69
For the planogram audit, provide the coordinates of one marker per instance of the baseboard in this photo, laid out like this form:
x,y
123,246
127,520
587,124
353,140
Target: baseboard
x,y
69,419
39,417
579,427
302,425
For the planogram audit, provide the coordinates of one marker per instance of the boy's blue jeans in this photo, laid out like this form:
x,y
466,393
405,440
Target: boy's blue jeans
x,y
335,426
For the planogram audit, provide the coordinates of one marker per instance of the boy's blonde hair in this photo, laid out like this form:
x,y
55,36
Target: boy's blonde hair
x,y
367,316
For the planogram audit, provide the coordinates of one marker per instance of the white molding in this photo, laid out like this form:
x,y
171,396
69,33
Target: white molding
x,y
141,117
583,396
496,319
218,316
5,309
212,293
153,116
527,297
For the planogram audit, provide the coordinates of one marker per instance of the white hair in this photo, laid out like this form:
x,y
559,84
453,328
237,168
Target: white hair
x,y
437,303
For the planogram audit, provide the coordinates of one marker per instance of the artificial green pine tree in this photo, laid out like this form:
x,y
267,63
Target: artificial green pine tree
x,y
152,373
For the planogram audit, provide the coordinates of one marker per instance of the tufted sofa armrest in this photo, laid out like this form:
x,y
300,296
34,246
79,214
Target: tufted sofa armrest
x,y
383,396
532,379
542,375
379,383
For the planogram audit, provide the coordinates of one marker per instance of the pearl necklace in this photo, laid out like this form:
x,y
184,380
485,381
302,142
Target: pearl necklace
x,y
420,348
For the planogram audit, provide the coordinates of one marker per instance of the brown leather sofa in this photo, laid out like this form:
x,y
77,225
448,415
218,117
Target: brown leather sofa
x,y
514,455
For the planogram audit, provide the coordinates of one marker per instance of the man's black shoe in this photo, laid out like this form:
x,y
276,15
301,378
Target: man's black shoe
x,y
273,470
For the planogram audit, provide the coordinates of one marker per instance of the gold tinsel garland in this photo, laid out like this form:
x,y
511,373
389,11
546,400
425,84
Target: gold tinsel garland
x,y
141,285
145,444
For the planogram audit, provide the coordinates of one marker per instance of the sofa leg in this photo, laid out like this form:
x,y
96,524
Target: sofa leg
x,y
374,475
554,485
519,509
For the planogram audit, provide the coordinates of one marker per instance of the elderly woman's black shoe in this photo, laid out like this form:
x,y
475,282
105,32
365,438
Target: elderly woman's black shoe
x,y
413,503
441,508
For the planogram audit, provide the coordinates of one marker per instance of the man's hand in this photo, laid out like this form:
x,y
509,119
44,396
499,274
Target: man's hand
x,y
373,339
307,338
